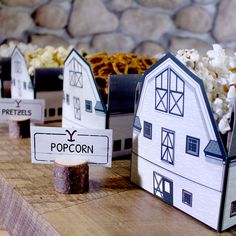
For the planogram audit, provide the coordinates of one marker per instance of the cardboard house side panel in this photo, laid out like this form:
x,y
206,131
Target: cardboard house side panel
x,y
82,105
49,86
229,211
229,197
121,101
177,152
21,86
121,124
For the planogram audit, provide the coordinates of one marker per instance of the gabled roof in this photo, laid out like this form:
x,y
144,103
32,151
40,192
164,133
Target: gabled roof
x,y
102,106
16,49
169,56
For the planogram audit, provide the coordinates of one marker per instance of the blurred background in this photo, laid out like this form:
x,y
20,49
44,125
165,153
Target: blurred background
x,y
145,27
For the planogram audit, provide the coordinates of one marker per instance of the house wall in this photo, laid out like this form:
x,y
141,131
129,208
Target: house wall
x,y
229,220
205,201
94,119
121,124
53,104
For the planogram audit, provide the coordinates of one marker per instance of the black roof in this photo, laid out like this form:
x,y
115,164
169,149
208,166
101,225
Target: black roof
x,y
47,79
121,93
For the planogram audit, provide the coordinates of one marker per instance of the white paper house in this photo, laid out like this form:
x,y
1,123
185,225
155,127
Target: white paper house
x,y
178,154
44,85
85,107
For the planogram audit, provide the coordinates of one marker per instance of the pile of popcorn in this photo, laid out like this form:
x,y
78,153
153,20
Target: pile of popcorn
x,y
37,57
218,72
7,49
46,57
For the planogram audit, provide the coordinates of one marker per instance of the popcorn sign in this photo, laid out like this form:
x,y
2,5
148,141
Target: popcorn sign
x,y
50,143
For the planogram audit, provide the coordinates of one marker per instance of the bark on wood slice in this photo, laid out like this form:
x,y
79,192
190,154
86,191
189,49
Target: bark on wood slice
x,y
19,127
71,176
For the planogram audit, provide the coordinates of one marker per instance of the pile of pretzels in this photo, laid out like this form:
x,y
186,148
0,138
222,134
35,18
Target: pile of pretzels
x,y
104,64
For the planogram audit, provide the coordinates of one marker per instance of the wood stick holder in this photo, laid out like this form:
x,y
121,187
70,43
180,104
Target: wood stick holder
x,y
71,176
19,127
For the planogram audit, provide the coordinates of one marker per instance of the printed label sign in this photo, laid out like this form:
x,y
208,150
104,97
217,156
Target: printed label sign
x,y
29,108
50,143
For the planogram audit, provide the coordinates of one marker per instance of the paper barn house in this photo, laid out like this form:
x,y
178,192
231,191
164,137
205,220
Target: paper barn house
x,y
45,84
85,107
178,153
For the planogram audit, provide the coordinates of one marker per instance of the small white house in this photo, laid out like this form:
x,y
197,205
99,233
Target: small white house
x,y
85,107
45,84
178,154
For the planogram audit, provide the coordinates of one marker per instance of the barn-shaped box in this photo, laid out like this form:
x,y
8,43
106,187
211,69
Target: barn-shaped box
x,y
85,107
178,153
45,84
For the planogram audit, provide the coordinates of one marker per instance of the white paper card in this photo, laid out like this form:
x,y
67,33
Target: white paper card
x,y
29,108
50,143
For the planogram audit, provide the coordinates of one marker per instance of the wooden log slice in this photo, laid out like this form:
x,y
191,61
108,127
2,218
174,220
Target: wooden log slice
x,y
71,176
19,127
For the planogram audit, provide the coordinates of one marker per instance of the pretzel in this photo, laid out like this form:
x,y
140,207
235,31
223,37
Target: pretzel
x,y
103,64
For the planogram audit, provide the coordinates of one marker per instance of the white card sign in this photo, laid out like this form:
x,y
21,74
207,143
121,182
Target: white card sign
x,y
31,108
50,143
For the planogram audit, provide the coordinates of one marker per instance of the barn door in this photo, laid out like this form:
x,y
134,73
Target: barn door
x,y
77,110
167,145
163,187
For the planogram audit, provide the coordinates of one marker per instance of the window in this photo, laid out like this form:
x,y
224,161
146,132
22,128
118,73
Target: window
x,y
75,73
24,85
59,111
167,145
128,143
147,131
68,99
52,112
116,145
233,209
187,197
45,112
88,106
169,93
192,146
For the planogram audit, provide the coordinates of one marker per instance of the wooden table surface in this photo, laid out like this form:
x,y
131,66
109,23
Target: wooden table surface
x,y
29,204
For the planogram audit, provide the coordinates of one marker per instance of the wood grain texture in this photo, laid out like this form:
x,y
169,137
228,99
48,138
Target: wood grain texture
x,y
113,205
71,177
